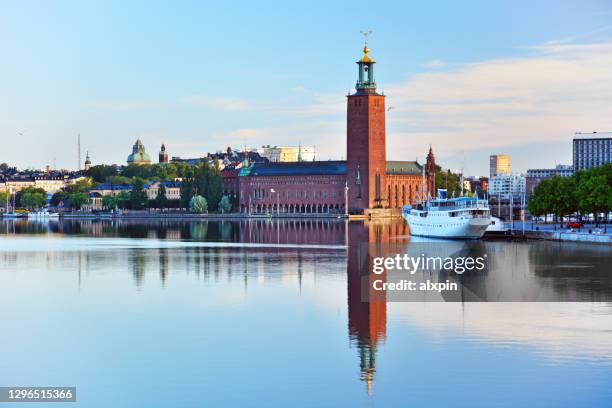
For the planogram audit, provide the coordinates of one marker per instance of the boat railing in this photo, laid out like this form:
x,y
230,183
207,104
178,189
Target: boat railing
x,y
458,205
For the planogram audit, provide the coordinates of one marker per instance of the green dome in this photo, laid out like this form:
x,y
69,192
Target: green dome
x,y
139,155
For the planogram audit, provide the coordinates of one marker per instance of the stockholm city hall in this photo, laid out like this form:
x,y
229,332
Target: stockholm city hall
x,y
373,181
366,182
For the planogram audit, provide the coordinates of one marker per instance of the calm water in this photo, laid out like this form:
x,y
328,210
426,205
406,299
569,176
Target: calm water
x,y
257,314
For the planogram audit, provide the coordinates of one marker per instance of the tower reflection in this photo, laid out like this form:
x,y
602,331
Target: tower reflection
x,y
367,309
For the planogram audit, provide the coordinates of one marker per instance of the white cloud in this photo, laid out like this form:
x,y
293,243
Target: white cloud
x,y
434,64
539,98
134,104
542,97
246,133
213,102
328,136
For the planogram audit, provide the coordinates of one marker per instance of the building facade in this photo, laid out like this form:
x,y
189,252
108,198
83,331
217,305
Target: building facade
x,y
364,181
288,153
499,164
49,183
292,188
173,189
535,176
592,150
506,185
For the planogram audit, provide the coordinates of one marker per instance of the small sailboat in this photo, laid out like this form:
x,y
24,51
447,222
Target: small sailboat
x,y
11,214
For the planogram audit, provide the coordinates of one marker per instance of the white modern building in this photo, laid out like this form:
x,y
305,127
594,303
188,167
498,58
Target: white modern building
x,y
505,185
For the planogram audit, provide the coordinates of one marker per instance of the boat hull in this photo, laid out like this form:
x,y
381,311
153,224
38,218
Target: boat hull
x,y
460,228
41,216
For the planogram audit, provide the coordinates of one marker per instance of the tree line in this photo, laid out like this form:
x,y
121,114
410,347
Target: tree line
x,y
586,192
201,186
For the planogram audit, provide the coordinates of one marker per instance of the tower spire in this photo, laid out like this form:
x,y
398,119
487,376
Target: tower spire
x,y
366,82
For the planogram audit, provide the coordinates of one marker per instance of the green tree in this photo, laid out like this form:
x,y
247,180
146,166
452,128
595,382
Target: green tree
x,y
118,180
58,197
594,195
35,197
123,199
215,188
225,205
161,201
168,171
80,186
32,200
198,204
535,205
138,197
142,171
101,172
188,186
110,202
4,197
448,180
78,200
563,196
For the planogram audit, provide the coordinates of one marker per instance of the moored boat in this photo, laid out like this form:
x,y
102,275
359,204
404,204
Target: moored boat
x,y
456,218
44,213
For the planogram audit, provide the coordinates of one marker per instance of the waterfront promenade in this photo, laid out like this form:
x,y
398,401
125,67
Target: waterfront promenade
x,y
588,233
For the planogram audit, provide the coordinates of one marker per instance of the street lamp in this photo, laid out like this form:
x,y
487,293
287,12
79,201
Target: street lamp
x,y
277,201
346,189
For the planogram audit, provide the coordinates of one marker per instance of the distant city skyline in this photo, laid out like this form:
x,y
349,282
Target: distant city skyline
x,y
473,80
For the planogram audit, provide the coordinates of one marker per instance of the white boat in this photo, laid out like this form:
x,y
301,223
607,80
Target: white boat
x,y
43,214
496,225
458,218
12,215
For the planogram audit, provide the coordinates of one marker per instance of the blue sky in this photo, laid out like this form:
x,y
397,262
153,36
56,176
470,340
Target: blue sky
x,y
472,78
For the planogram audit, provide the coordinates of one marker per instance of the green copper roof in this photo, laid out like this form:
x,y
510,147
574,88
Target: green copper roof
x,y
404,167
139,155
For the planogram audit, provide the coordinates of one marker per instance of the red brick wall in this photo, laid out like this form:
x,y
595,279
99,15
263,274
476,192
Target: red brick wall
x,y
366,148
402,189
310,193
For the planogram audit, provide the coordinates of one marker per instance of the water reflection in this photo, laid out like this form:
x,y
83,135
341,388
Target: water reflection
x,y
284,231
159,252
367,320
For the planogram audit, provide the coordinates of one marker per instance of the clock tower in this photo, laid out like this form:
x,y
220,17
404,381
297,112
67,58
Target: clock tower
x,y
365,141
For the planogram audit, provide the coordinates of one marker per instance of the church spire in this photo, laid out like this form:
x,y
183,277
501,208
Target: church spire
x,y
430,168
366,82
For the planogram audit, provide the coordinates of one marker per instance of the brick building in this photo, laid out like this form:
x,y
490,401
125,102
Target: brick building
x,y
366,180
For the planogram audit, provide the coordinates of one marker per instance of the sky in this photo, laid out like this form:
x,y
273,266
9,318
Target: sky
x,y
471,78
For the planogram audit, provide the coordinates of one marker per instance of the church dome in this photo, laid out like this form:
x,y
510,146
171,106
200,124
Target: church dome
x,y
138,155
